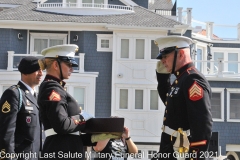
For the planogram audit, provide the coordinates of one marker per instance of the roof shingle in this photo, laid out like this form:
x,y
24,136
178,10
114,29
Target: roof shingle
x,y
142,17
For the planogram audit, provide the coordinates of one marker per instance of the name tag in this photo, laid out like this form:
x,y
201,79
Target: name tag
x,y
29,108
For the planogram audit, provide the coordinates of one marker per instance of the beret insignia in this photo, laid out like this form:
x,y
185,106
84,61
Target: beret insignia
x,y
195,92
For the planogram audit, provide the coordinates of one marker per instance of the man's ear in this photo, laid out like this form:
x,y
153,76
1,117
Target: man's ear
x,y
181,53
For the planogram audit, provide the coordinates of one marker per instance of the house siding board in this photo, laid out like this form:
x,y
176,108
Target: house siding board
x,y
188,33
224,84
143,3
10,42
5,46
227,45
115,2
98,62
228,132
54,1
19,46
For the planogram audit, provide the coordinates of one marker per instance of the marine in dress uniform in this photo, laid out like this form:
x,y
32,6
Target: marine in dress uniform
x,y
20,129
60,113
187,99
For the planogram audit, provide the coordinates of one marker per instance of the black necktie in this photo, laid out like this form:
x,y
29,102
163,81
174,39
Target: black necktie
x,y
35,95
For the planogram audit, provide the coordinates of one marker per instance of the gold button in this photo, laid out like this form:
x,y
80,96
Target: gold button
x,y
176,82
166,111
193,151
165,103
164,118
167,94
177,73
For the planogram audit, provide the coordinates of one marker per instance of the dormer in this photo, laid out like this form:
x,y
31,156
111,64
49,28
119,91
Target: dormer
x,y
85,7
7,6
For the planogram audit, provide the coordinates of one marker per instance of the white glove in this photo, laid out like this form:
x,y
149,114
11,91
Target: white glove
x,y
86,115
160,68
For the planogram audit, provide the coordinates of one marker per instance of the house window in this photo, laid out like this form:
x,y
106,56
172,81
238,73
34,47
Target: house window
x,y
199,58
138,99
124,48
79,95
233,66
217,104
153,100
40,41
217,55
233,100
104,42
154,50
123,99
71,3
94,1
140,45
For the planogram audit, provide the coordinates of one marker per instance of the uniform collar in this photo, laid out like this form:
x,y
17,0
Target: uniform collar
x,y
179,72
28,87
50,77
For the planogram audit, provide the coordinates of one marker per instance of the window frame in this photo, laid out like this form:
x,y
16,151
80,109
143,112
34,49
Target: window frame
x,y
132,48
70,90
225,52
84,95
135,50
33,36
104,37
221,91
231,90
131,99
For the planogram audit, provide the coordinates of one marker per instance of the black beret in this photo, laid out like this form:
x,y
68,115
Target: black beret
x,y
28,65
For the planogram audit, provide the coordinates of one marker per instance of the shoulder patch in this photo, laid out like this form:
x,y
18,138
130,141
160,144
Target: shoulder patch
x,y
195,92
6,107
54,96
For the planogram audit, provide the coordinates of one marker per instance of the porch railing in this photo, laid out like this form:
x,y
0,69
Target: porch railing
x,y
219,68
209,30
84,5
14,59
211,68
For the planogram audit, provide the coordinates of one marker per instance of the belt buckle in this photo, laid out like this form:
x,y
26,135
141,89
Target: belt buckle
x,y
163,128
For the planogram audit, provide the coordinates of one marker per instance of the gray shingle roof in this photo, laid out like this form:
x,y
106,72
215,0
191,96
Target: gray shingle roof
x,y
141,18
15,1
160,4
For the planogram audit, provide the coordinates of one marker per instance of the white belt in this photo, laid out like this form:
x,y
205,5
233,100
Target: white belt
x,y
173,132
50,132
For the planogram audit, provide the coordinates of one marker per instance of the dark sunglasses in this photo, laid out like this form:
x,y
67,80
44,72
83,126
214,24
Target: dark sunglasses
x,y
68,64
